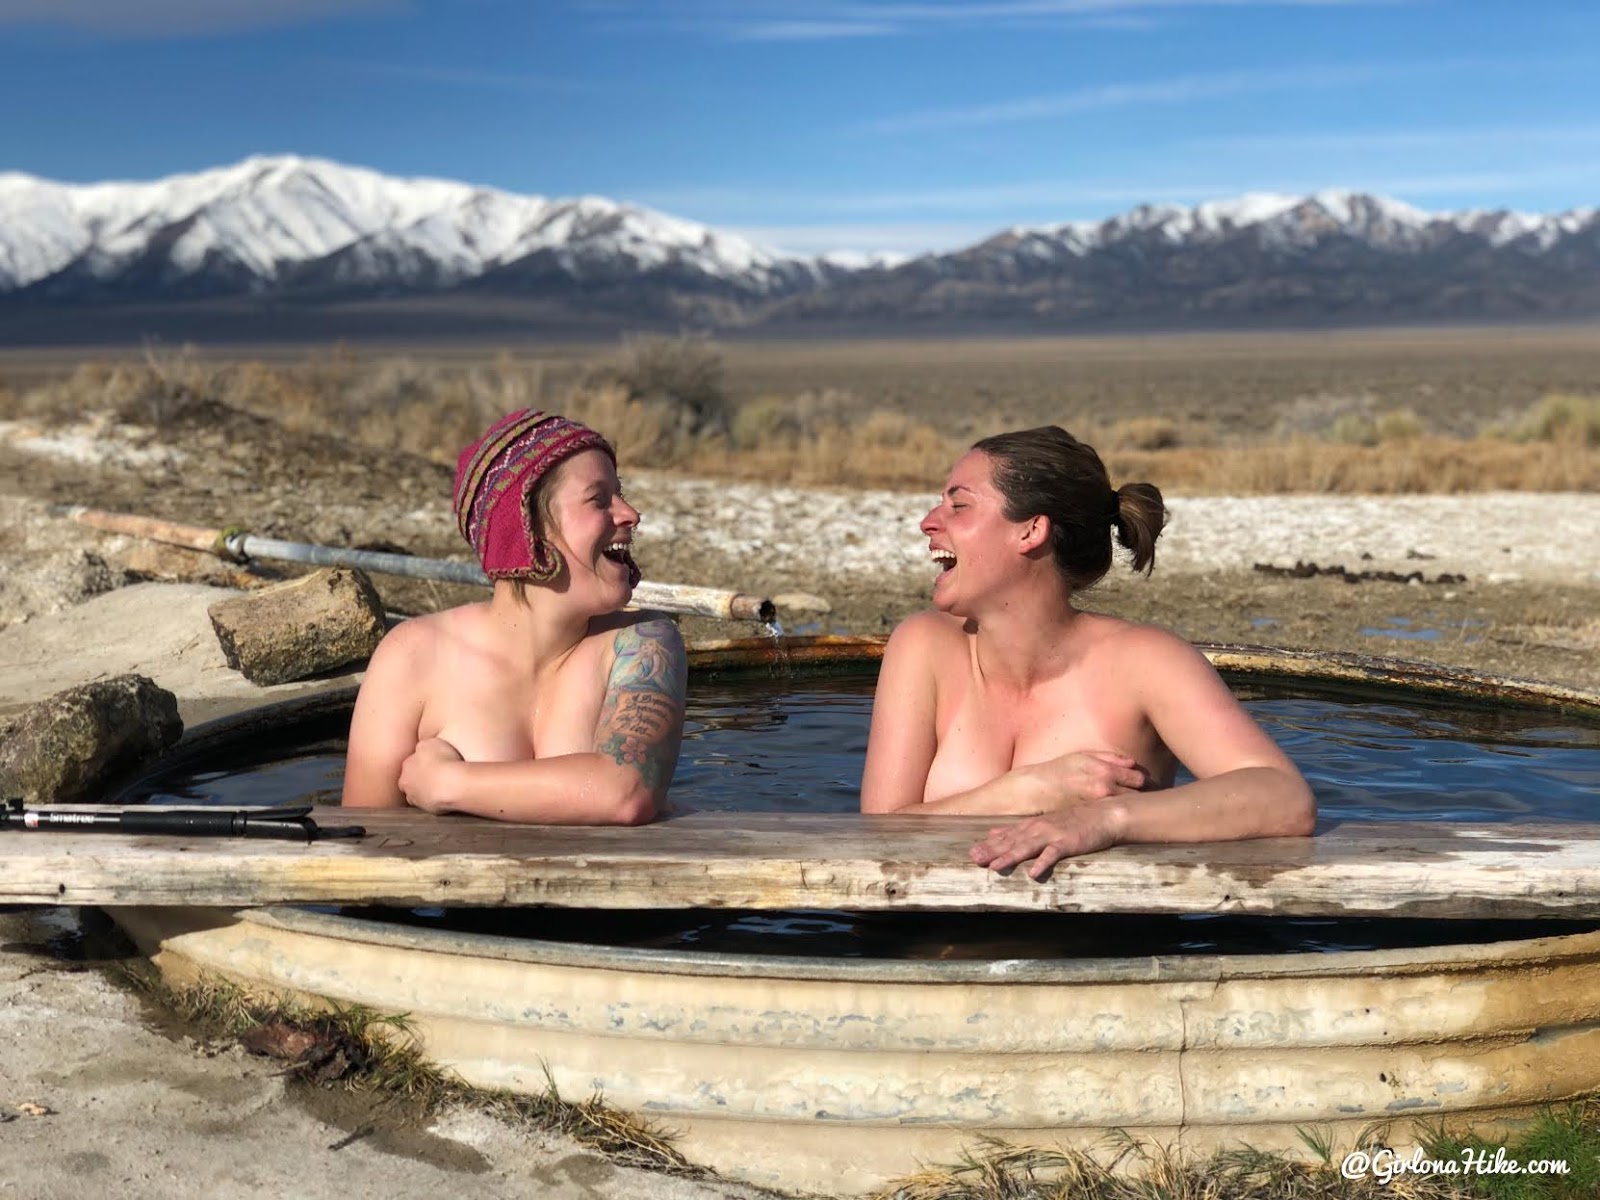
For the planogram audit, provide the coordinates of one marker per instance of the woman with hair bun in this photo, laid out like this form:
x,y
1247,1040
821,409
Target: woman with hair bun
x,y
1008,699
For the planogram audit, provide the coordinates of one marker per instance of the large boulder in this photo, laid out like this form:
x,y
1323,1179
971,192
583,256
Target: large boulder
x,y
300,628
68,746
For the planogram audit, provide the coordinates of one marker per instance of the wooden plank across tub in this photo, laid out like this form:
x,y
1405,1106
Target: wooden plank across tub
x,y
850,862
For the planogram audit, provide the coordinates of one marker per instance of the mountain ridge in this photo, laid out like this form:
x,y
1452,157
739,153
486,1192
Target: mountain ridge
x,y
293,231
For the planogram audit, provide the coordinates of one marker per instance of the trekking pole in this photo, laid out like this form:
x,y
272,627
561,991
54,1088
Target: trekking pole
x,y
289,821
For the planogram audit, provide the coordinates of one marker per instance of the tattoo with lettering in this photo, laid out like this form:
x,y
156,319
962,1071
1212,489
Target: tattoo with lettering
x,y
641,721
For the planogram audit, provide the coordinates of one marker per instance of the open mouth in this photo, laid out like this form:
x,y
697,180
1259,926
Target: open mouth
x,y
621,553
943,559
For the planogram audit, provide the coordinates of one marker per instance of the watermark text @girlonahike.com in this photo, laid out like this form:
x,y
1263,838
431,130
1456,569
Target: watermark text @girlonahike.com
x,y
1385,1164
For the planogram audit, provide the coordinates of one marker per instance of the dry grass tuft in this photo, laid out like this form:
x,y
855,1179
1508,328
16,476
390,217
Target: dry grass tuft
x,y
1562,418
621,1137
1139,433
665,403
359,1049
683,376
1123,1168
1427,465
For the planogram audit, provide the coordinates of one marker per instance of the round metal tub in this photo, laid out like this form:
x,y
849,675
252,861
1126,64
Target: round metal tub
x,y
838,1074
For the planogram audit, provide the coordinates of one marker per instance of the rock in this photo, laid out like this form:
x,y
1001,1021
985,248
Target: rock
x,y
68,745
300,628
801,604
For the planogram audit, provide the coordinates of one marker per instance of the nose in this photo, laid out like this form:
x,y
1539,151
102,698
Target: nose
x,y
930,523
625,515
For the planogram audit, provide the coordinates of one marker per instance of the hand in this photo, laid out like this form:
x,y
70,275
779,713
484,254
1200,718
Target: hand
x,y
1048,839
1087,775
422,774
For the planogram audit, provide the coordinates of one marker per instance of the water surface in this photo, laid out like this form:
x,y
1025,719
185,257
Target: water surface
x,y
773,744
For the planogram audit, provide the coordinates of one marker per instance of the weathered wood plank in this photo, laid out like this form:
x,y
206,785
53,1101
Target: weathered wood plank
x,y
777,861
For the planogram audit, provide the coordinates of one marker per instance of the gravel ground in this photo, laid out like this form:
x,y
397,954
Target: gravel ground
x,y
1501,536
1527,605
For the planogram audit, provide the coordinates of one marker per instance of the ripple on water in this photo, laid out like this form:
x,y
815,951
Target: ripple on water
x,y
779,743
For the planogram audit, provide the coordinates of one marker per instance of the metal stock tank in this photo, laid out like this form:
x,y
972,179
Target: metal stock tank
x,y
837,1074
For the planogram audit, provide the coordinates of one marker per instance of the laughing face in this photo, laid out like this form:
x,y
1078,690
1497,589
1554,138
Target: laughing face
x,y
968,535
592,525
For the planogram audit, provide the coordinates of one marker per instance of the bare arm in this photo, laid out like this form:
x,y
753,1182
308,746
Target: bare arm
x,y
1244,787
641,723
901,745
622,781
1083,775
383,728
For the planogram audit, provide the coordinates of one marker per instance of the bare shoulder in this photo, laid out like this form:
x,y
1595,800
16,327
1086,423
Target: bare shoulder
x,y
645,648
410,641
926,631
416,644
1134,645
622,629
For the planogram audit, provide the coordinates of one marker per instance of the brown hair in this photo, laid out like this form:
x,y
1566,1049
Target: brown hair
x,y
540,518
1048,472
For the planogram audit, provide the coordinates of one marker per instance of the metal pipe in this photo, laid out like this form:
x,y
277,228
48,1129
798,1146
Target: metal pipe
x,y
245,546
239,545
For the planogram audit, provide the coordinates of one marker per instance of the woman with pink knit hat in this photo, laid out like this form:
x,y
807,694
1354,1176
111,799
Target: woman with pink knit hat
x,y
546,703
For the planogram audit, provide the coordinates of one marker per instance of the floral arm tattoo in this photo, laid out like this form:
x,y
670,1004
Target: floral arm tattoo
x,y
641,721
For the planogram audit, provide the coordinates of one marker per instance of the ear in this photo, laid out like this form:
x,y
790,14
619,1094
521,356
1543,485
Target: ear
x,y
1035,534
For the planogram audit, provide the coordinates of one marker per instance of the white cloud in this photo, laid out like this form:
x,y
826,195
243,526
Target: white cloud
x,y
1367,141
993,10
820,20
181,18
455,76
1179,90
810,31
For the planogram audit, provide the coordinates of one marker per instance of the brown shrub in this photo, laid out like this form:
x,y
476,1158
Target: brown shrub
x,y
1418,465
1561,417
823,435
685,375
1140,433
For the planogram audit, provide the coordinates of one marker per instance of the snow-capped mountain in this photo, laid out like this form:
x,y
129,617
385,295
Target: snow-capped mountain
x,y
1335,255
296,233
302,225
1291,223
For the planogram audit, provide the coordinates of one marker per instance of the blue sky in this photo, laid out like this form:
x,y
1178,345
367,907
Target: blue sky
x,y
830,124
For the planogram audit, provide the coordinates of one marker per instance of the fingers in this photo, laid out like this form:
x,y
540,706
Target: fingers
x,y
1003,858
984,853
437,747
1131,778
1049,856
1044,840
1008,845
992,852
1112,779
1101,773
